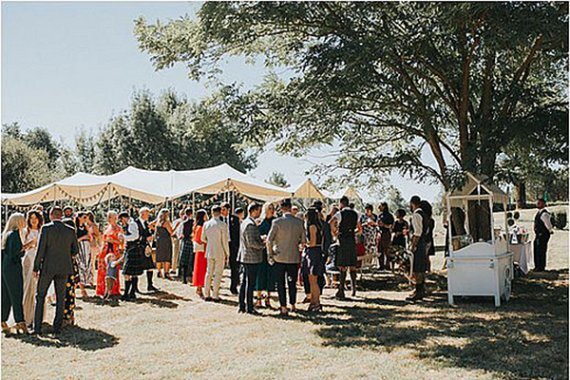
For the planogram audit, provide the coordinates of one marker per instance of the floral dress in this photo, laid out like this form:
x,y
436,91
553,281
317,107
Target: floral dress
x,y
369,234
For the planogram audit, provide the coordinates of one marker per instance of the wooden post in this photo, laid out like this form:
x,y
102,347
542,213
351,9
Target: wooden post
x,y
108,198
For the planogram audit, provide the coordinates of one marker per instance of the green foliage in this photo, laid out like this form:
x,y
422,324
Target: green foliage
x,y
559,220
24,168
277,179
155,134
171,133
388,82
395,200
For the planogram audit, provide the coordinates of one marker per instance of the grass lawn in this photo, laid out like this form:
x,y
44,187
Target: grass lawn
x,y
377,335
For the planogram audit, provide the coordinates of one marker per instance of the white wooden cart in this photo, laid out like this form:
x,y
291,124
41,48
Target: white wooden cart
x,y
484,267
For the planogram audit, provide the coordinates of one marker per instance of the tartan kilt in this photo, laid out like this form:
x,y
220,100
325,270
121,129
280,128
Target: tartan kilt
x,y
186,252
134,262
346,254
148,263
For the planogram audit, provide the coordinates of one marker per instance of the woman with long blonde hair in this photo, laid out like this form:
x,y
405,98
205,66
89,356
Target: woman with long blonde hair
x,y
163,236
12,279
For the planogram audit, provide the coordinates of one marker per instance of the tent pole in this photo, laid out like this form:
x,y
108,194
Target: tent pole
x,y
193,201
108,198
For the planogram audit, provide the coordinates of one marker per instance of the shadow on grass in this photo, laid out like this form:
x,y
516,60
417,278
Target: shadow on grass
x,y
158,299
72,336
523,338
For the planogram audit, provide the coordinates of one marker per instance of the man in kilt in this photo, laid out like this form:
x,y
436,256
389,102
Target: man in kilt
x,y
134,252
186,262
344,225
146,235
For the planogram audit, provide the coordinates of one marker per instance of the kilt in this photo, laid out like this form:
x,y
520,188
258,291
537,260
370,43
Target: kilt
x,y
420,258
147,262
186,253
134,264
346,254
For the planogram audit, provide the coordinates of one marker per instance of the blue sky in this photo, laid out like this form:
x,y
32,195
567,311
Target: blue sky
x,y
67,66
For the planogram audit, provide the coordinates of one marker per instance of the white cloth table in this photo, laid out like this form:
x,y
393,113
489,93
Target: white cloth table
x,y
522,254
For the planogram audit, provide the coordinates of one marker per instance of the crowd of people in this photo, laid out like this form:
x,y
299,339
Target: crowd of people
x,y
268,248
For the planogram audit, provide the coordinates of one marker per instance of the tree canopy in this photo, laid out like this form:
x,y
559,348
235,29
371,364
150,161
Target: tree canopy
x,y
24,167
389,82
163,133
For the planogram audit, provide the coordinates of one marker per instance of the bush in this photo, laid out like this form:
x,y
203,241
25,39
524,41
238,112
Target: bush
x,y
559,220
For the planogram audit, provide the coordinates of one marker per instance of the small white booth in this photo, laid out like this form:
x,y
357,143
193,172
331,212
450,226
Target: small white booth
x,y
479,262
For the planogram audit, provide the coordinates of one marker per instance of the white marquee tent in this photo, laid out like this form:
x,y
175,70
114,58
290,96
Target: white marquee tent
x,y
307,190
149,186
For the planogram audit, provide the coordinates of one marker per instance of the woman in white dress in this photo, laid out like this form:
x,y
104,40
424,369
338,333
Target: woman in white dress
x,y
34,221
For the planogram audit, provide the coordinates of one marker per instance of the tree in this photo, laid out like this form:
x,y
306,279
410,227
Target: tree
x,y
395,200
24,168
171,133
389,82
277,179
41,138
531,158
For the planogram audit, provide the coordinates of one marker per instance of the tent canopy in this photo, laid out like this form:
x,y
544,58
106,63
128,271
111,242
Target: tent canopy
x,y
308,190
149,186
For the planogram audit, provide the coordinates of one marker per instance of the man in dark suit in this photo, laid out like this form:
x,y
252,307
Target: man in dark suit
x,y
234,235
56,246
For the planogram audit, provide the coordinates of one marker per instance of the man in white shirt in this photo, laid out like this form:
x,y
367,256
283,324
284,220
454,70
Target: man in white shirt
x,y
418,242
542,232
215,235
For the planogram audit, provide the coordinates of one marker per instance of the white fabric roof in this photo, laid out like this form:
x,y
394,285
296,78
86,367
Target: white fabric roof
x,y
307,190
148,186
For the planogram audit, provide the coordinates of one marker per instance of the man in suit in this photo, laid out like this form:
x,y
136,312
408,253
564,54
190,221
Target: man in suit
x,y
56,246
215,235
250,256
234,241
286,235
542,232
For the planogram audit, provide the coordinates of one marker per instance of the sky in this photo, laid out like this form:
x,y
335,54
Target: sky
x,y
67,66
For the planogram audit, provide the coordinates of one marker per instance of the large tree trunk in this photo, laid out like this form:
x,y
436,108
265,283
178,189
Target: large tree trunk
x,y
520,194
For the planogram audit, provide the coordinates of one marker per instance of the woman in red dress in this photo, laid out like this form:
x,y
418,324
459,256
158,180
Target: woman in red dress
x,y
112,242
200,262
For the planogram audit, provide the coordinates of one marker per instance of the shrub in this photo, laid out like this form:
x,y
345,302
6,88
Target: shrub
x,y
559,220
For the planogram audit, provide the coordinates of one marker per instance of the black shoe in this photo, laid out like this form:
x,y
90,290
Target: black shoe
x,y
152,289
208,299
340,295
234,291
125,297
253,312
241,311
